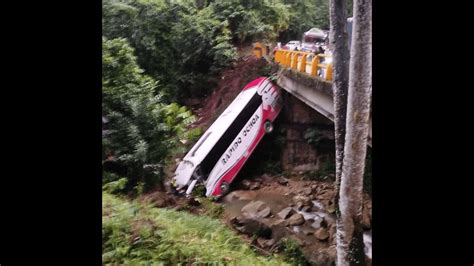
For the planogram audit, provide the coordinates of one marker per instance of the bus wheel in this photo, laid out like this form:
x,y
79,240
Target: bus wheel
x,y
268,126
224,188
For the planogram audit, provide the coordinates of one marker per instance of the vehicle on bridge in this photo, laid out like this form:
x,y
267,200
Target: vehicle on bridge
x,y
314,40
292,46
220,153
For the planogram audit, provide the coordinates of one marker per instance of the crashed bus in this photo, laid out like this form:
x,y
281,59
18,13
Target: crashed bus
x,y
220,153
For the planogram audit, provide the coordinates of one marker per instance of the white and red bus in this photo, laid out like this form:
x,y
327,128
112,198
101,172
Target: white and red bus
x,y
220,153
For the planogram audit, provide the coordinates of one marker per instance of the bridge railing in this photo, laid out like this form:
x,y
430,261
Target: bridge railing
x,y
302,62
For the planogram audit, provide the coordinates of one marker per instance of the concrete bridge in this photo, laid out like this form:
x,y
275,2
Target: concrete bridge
x,y
308,77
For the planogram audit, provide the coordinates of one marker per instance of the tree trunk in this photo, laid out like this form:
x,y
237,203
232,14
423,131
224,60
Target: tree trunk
x,y
350,248
340,53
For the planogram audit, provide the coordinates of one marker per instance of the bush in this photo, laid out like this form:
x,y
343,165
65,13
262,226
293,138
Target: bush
x,y
142,129
137,234
292,252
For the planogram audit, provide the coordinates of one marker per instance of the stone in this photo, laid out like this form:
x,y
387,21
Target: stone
x,y
256,209
285,212
317,222
261,242
332,252
254,186
252,227
301,242
322,234
330,218
159,203
314,187
304,199
299,205
240,195
332,234
193,202
306,209
296,219
270,243
307,231
282,181
307,191
246,184
280,222
278,232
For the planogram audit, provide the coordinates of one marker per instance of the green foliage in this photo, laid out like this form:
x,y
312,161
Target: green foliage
x,y
212,209
115,186
137,234
292,252
252,20
314,136
304,15
326,172
142,128
175,42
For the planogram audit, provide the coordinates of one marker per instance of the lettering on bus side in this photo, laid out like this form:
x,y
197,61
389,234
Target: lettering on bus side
x,y
238,141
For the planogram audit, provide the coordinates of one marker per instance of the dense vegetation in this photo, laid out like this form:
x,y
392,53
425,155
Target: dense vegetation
x,y
141,130
135,233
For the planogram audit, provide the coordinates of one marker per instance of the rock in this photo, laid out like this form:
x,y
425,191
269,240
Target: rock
x,y
254,186
246,184
285,212
332,234
298,240
296,219
261,242
321,234
299,205
278,232
365,219
282,181
318,205
256,209
317,222
270,243
368,261
306,209
314,187
330,219
193,202
307,231
159,203
320,258
280,222
326,194
265,243
307,191
252,227
331,209
304,199
332,252
240,195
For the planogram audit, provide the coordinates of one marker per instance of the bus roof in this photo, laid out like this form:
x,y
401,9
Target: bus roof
x,y
222,123
315,31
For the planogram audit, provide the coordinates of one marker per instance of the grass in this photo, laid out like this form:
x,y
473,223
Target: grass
x,y
137,234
